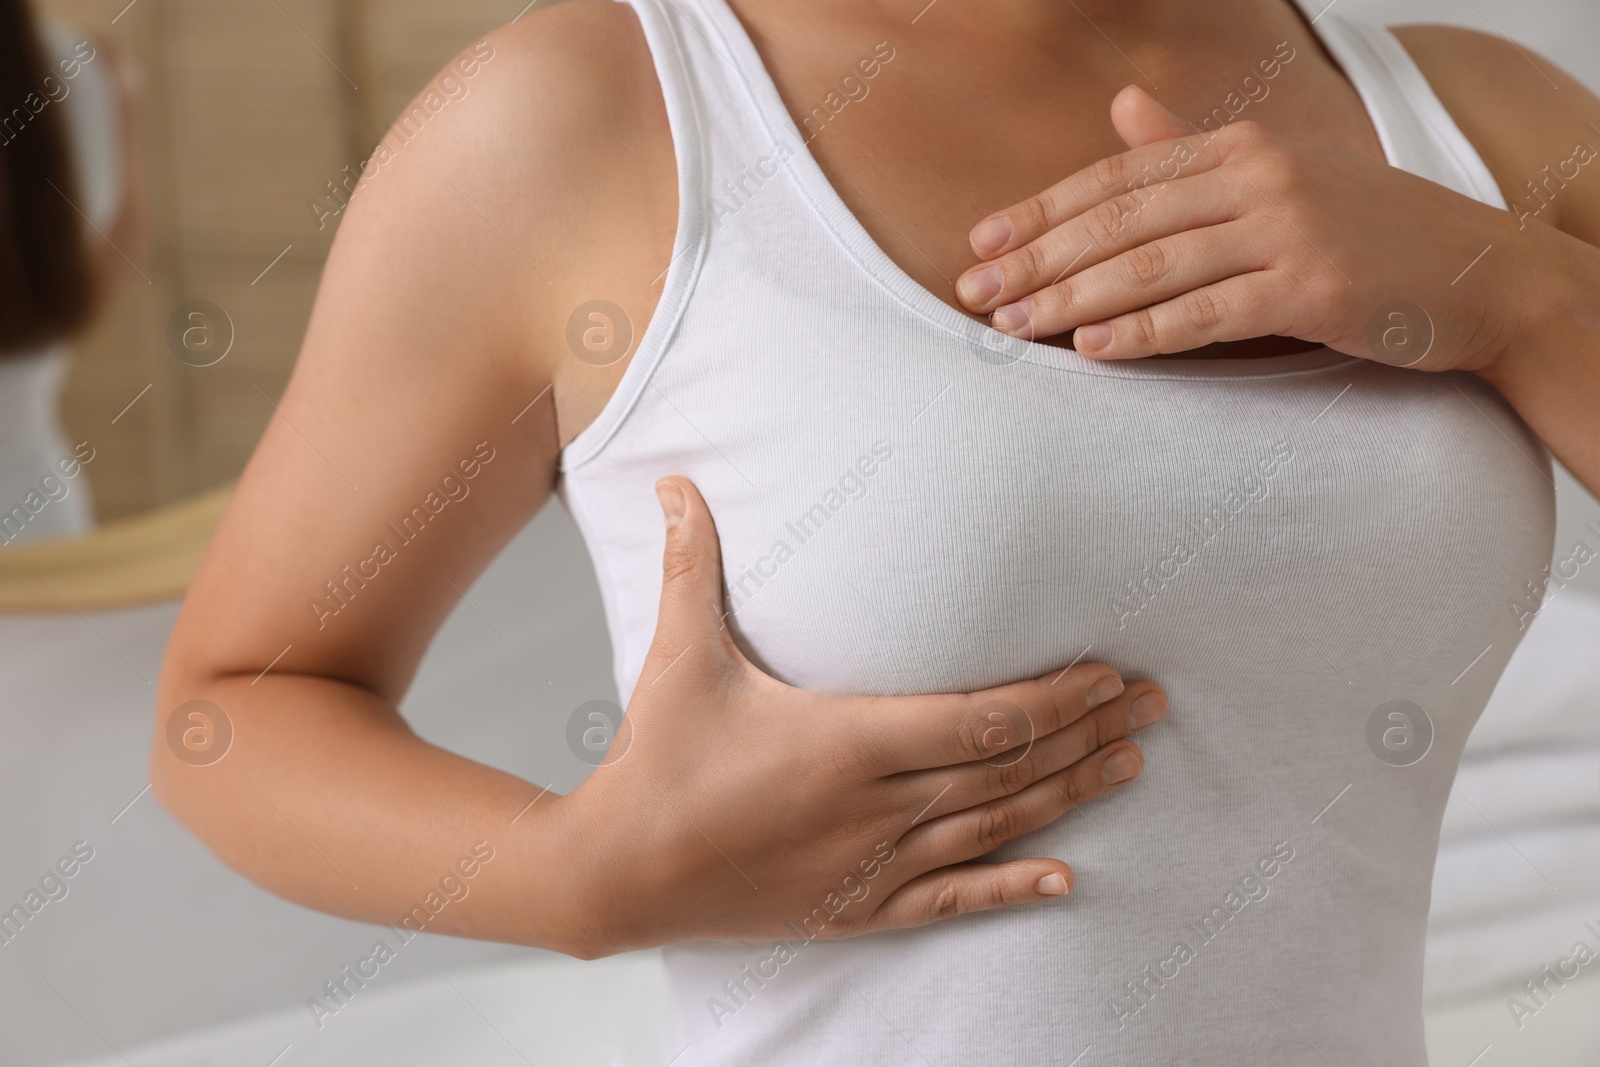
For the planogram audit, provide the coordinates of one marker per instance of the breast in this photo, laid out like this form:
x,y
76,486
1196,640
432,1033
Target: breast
x,y
1287,545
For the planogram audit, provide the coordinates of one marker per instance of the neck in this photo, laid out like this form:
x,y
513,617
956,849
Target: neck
x,y
1188,52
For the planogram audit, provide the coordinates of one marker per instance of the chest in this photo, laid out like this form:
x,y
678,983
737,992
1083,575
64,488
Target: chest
x,y
924,135
902,509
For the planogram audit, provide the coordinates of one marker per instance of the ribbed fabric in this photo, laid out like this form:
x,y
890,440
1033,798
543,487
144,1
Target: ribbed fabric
x,y
1518,873
911,502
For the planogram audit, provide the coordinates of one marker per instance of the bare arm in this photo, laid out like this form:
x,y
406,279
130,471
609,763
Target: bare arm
x,y
397,453
1529,119
414,440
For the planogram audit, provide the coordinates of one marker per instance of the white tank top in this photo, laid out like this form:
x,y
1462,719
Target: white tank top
x,y
909,501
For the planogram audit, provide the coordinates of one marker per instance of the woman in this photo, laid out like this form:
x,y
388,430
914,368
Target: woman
x,y
1310,550
68,213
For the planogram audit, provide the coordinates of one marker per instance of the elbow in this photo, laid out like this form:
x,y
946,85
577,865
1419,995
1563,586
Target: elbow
x,y
191,737
200,783
173,782
587,946
166,786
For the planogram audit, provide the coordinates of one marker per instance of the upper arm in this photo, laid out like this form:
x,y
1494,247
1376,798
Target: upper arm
x,y
417,433
1523,114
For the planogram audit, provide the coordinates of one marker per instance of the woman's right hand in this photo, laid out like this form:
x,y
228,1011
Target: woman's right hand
x,y
734,807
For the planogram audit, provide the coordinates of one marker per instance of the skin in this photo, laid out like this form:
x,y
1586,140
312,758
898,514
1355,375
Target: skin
x,y
441,323
1265,232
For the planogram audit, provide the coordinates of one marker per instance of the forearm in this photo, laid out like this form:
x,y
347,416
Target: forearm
x,y
1550,371
327,798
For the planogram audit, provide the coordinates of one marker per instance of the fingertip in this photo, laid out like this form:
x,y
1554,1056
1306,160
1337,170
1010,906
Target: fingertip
x,y
1131,91
991,235
1124,763
1015,319
1147,708
1055,884
674,502
1108,688
1093,339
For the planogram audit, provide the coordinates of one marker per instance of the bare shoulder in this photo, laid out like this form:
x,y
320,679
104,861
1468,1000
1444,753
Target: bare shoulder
x,y
501,196
568,76
551,156
568,116
1523,114
546,104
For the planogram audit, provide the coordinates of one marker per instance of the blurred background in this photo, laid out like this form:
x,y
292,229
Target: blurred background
x,y
227,134
251,111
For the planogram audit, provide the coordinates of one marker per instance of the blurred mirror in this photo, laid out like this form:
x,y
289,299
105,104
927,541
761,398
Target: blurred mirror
x,y
207,152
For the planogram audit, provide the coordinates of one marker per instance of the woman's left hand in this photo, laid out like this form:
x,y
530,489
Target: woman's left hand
x,y
1189,239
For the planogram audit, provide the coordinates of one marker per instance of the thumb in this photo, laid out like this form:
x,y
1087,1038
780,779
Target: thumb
x,y
1141,119
691,567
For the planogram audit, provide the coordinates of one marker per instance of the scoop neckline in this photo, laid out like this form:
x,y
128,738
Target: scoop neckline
x,y
990,344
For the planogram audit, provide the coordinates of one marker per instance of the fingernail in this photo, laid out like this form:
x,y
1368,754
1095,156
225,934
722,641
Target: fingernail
x,y
1052,885
673,502
1013,318
1105,689
991,235
1119,767
980,286
1146,710
1092,338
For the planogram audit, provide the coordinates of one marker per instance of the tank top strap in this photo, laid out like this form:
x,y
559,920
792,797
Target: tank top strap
x,y
711,84
1417,133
